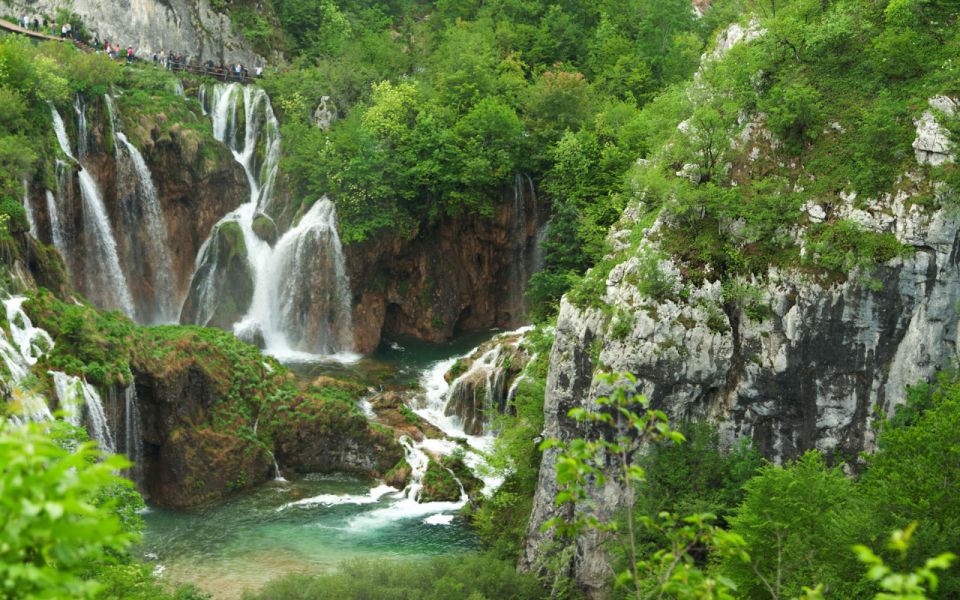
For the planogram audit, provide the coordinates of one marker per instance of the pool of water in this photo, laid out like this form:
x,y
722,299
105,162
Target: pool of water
x,y
308,526
312,524
396,362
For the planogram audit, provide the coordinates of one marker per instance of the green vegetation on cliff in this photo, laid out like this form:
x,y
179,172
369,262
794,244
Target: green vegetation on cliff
x,y
705,522
819,109
441,107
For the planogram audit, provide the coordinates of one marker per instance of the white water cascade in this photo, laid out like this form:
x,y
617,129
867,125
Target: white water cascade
x,y
300,300
28,208
73,394
304,271
133,435
146,233
20,351
69,397
107,281
56,229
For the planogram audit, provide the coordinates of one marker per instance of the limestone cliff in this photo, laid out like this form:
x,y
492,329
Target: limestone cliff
x,y
808,361
188,27
458,275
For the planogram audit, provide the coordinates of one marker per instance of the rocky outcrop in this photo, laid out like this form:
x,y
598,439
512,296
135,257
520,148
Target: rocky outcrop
x,y
458,275
932,145
188,27
186,461
228,274
322,439
807,373
483,383
200,182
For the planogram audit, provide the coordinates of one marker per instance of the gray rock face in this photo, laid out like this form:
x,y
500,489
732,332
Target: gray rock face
x,y
188,27
806,375
932,144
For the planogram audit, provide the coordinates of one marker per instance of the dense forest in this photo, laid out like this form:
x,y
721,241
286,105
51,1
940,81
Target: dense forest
x,y
645,107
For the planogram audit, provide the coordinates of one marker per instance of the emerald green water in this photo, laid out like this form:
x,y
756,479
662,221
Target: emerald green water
x,y
250,539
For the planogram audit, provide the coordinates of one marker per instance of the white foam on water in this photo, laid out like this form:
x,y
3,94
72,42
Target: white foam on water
x,y
440,519
372,497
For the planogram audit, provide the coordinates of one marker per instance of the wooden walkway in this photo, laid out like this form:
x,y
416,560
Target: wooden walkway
x,y
222,75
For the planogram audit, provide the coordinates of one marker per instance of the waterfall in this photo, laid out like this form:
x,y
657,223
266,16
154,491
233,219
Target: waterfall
x,y
56,229
133,435
418,461
73,394
525,249
105,280
20,351
69,397
82,131
478,392
97,418
28,208
144,227
300,298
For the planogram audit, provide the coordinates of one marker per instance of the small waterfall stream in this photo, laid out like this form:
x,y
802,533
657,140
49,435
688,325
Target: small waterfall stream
x,y
73,394
20,351
133,435
28,208
300,299
56,229
145,232
107,283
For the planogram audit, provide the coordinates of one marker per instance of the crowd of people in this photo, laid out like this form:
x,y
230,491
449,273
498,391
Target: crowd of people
x,y
42,24
169,60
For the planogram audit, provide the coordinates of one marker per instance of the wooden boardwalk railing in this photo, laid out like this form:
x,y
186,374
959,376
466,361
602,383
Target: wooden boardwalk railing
x,y
224,75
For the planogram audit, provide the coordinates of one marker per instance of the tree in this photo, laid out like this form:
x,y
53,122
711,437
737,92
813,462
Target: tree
x,y
625,423
914,477
55,520
798,522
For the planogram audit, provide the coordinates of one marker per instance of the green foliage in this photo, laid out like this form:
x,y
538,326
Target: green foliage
x,y
477,577
696,476
903,585
55,522
911,477
843,246
798,522
501,520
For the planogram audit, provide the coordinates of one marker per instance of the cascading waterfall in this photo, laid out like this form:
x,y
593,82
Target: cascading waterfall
x,y
82,131
20,351
526,250
477,392
73,394
56,229
97,416
290,289
300,300
106,282
133,435
28,208
69,397
144,227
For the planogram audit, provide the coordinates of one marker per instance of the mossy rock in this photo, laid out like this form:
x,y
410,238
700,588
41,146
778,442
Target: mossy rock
x,y
439,484
399,475
225,262
265,228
